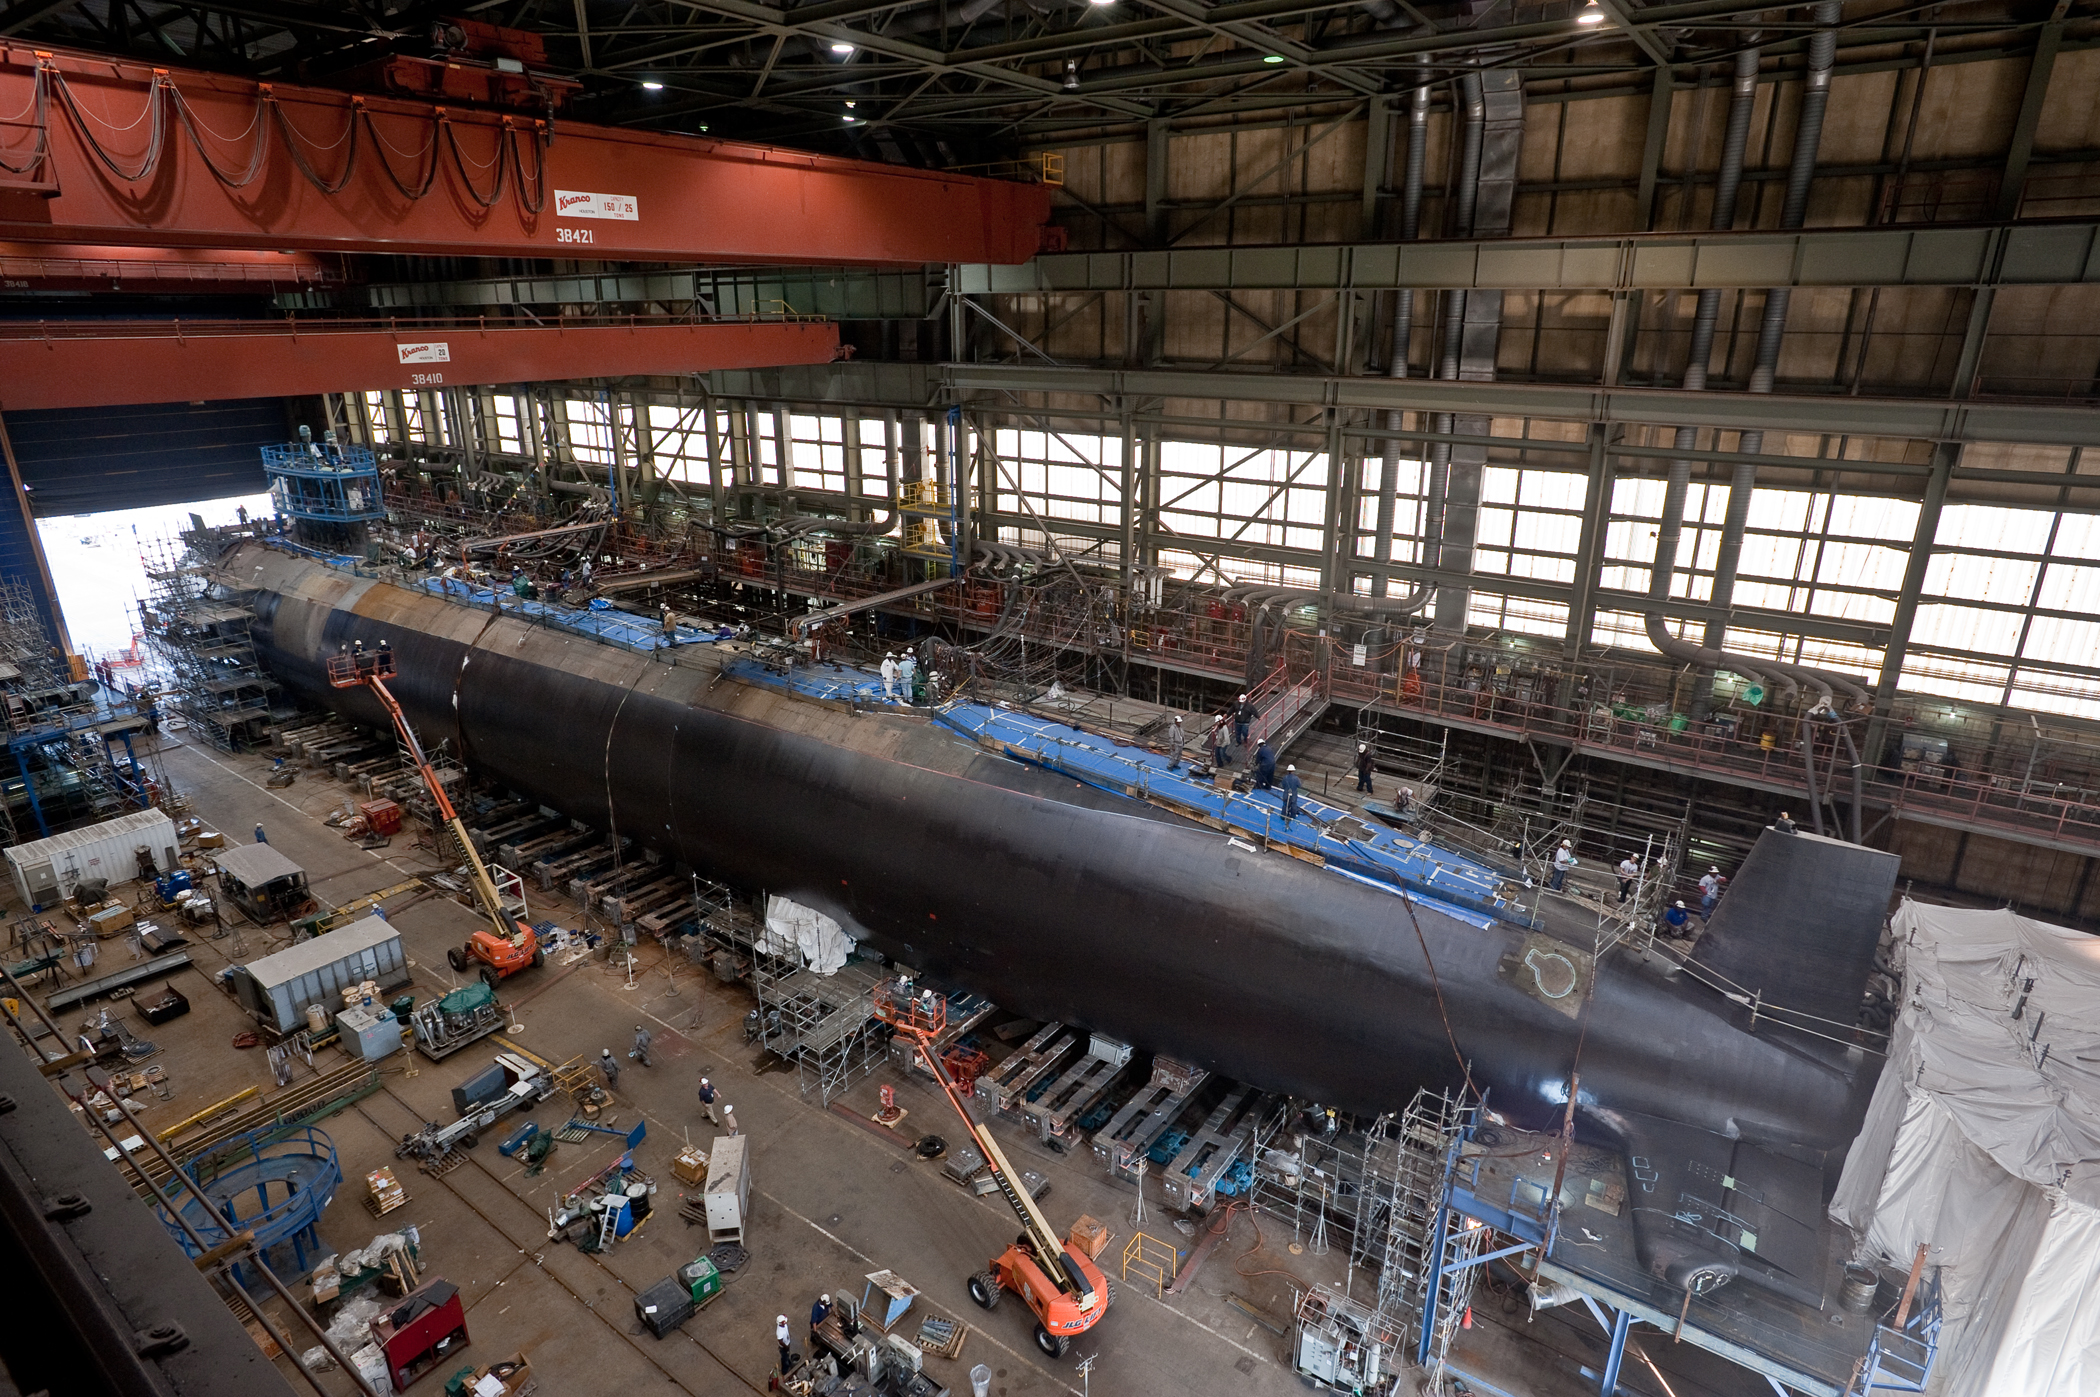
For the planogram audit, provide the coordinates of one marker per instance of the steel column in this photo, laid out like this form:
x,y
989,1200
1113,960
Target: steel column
x,y
2020,149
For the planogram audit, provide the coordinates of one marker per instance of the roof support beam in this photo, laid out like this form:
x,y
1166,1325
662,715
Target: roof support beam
x,y
2020,149
1659,102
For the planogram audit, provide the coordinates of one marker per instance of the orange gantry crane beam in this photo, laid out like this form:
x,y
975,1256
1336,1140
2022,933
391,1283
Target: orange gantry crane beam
x,y
102,363
112,151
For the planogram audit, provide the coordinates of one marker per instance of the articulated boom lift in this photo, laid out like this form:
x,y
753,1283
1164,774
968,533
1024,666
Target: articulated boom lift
x,y
508,946
1061,1284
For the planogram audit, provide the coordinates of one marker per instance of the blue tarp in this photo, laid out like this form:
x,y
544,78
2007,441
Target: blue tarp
x,y
1450,882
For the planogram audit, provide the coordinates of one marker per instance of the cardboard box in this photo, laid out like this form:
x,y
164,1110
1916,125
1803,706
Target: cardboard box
x,y
111,920
262,1339
1089,1235
510,1378
690,1165
210,839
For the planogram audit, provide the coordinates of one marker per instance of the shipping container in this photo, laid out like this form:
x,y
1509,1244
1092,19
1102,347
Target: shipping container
x,y
47,870
277,988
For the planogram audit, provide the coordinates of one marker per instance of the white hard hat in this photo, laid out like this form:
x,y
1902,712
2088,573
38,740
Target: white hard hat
x,y
1363,747
1290,767
1713,868
1567,843
605,1052
703,1081
826,1298
1680,905
1243,696
782,1320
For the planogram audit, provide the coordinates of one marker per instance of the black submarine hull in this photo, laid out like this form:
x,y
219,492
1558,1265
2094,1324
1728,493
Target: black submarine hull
x,y
1052,899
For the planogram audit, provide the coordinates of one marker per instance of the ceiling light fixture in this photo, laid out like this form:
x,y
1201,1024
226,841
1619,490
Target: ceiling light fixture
x,y
1101,2
1071,75
842,48
652,87
1272,58
1591,14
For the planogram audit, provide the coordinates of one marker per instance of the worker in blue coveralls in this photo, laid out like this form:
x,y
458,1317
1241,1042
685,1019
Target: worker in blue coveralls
x,y
1291,786
1264,767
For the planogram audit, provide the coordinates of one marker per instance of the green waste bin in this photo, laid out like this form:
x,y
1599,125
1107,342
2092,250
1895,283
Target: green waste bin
x,y
1678,722
403,1006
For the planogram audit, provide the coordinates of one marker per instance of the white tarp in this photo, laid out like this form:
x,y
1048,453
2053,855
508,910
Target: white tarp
x,y
1983,1144
792,929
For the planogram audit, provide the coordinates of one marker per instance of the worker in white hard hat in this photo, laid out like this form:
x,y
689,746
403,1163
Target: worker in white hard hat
x,y
640,1051
1291,786
787,1351
1710,890
889,676
1677,921
818,1313
708,1097
1563,860
609,1066
1363,768
1177,739
1243,715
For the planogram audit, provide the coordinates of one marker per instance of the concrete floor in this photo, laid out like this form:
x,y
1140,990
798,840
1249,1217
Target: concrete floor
x,y
830,1200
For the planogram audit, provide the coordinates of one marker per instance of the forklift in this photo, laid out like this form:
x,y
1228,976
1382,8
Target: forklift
x,y
1060,1284
507,945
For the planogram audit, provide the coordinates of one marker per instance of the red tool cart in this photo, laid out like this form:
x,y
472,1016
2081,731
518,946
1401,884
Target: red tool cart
x,y
424,1328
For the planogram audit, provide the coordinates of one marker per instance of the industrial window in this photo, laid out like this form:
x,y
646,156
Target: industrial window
x,y
1410,484
590,430
413,419
373,405
510,434
678,441
874,457
1244,495
817,452
1072,476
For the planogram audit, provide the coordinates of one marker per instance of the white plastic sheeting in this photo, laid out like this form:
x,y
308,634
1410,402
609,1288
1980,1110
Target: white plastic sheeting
x,y
1983,1144
792,929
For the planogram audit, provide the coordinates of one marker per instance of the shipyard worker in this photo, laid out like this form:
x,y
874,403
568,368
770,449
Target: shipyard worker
x,y
260,837
640,1051
818,1313
1291,787
908,675
1629,874
1363,767
1785,824
1220,726
729,1118
889,675
1177,739
609,1067
1563,860
1677,921
708,1094
1710,890
1243,715
670,622
1264,767
780,1336
1404,802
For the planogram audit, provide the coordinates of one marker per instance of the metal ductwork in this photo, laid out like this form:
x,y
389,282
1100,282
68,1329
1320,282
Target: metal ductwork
x,y
1801,172
1402,335
1494,100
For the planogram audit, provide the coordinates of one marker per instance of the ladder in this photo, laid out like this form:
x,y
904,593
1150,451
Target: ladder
x,y
608,1222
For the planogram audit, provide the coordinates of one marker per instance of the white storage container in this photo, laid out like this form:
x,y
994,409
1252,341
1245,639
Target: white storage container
x,y
47,870
728,1193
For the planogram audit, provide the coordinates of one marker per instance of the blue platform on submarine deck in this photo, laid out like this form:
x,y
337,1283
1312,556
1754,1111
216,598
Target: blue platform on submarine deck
x,y
611,625
1344,844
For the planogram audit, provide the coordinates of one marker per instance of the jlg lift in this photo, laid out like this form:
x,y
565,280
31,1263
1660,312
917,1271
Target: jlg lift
x,y
1060,1283
508,945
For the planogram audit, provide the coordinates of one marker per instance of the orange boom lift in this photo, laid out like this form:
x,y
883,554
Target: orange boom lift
x,y
506,946
1059,1283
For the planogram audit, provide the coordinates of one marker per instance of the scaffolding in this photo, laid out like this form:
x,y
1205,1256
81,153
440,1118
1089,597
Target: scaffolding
x,y
197,627
1380,1193
824,1024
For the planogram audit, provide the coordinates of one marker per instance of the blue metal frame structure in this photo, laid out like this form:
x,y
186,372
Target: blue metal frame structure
x,y
316,481
1897,1359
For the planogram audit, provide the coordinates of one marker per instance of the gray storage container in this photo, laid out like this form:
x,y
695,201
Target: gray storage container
x,y
277,988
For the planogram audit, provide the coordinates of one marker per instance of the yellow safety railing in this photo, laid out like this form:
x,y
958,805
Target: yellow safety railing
x,y
1151,1260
